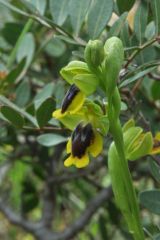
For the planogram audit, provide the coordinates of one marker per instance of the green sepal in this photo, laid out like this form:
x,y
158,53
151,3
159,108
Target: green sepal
x,y
87,83
142,146
72,69
95,115
130,123
130,137
113,62
71,121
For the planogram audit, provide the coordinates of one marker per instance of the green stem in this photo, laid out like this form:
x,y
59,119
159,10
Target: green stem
x,y
126,188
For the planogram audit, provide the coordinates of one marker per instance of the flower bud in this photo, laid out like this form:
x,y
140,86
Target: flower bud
x,y
114,53
72,69
94,54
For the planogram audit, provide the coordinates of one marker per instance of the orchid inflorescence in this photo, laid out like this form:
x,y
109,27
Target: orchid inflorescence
x,y
90,120
87,119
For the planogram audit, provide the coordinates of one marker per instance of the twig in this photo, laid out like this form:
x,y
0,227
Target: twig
x,y
17,219
154,76
85,217
139,49
49,199
46,129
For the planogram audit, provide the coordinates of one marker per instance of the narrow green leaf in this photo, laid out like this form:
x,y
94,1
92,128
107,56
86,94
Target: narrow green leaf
x,y
5,101
118,25
43,94
155,170
23,93
77,12
137,76
55,48
140,21
125,35
59,10
26,49
44,112
151,200
40,5
98,17
15,73
155,5
12,116
13,54
155,90
50,139
150,30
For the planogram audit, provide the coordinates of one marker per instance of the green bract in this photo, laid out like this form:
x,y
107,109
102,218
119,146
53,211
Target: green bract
x,y
87,83
94,54
137,144
74,68
77,72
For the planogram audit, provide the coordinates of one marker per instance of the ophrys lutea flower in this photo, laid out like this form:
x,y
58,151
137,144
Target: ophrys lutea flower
x,y
72,102
84,141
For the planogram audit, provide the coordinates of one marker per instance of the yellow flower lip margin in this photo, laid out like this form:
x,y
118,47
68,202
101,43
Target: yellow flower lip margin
x,y
156,144
95,148
74,106
137,143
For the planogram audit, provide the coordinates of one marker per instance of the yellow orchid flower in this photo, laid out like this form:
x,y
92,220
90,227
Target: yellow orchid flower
x,y
84,141
156,144
72,103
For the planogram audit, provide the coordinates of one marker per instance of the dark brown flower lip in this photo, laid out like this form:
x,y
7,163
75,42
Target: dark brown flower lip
x,y
70,95
82,138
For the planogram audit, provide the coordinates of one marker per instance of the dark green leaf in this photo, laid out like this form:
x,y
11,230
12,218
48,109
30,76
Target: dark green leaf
x,y
150,30
125,35
155,170
98,17
44,112
155,4
12,29
15,73
137,76
118,25
59,10
26,49
50,139
77,12
5,101
125,5
55,48
151,200
155,90
140,21
23,93
43,94
12,116
40,5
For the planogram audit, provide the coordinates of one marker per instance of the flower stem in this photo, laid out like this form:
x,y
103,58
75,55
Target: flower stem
x,y
121,178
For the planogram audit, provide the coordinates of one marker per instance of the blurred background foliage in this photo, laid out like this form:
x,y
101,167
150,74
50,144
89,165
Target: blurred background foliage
x,y
37,39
